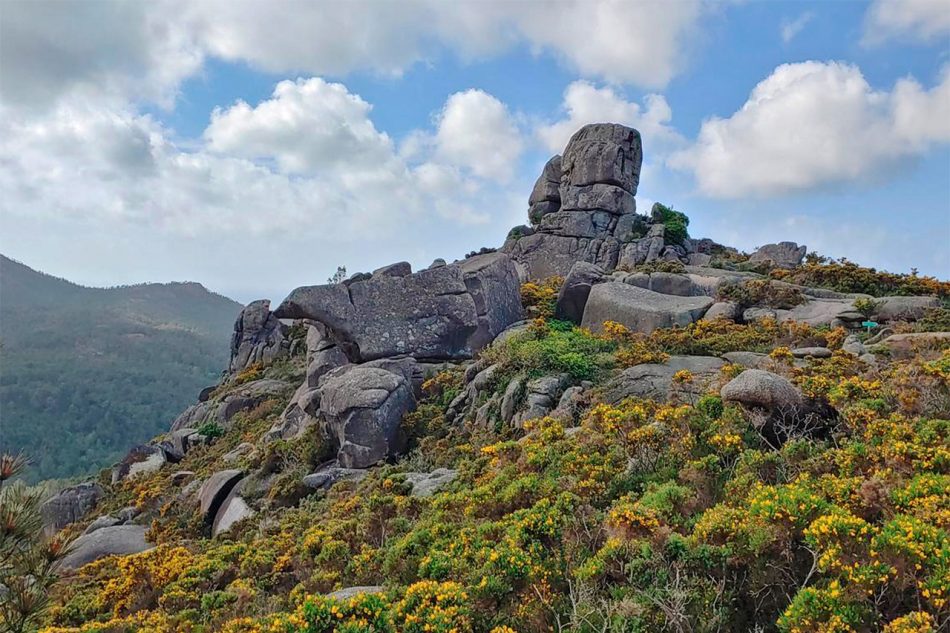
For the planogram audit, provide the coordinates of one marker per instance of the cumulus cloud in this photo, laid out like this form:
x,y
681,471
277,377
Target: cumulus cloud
x,y
143,50
307,126
306,166
585,103
813,124
640,42
923,20
475,130
108,49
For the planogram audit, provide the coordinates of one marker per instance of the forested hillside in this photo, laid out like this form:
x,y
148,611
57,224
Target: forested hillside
x,y
85,372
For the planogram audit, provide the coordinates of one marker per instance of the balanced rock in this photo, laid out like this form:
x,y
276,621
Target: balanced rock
x,y
781,255
259,337
442,313
639,309
593,210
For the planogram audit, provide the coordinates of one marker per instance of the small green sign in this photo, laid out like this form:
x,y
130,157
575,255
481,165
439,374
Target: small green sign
x,y
869,325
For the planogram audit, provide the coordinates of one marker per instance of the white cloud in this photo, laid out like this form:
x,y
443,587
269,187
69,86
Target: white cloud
x,y
790,28
637,42
585,103
475,130
303,176
142,51
307,126
106,49
922,20
641,42
812,124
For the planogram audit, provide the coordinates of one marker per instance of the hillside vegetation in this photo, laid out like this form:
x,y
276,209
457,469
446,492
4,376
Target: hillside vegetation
x,y
685,515
84,372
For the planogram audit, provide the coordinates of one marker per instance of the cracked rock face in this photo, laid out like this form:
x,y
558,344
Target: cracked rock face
x,y
583,203
363,406
442,313
259,337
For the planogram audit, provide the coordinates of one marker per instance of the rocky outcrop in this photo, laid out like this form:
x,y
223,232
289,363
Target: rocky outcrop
x,y
233,510
342,595
762,389
545,197
215,491
427,484
541,396
332,473
781,255
591,216
572,298
70,505
140,460
118,540
722,310
639,309
655,380
598,177
363,406
442,313
904,308
259,337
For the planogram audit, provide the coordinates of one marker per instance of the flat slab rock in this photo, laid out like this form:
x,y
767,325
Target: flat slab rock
x,y
350,592
655,380
441,313
215,491
118,540
233,509
639,309
427,484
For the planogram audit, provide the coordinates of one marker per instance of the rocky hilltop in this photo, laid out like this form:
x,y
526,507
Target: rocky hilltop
x,y
590,319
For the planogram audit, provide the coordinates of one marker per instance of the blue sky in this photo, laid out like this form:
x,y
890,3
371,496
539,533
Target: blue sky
x,y
255,146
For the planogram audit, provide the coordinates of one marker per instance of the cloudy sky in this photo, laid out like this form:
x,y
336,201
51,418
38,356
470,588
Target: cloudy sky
x,y
255,146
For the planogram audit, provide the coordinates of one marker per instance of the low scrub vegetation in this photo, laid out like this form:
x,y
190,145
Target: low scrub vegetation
x,y
846,276
675,516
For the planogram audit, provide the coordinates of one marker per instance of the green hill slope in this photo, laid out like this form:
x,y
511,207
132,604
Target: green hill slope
x,y
87,372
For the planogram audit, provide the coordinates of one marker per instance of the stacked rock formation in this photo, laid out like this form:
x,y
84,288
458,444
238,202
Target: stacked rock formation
x,y
581,203
583,208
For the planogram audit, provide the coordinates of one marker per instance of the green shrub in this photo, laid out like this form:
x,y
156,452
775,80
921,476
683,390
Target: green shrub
x,y
710,406
675,222
867,307
211,430
661,266
760,292
554,348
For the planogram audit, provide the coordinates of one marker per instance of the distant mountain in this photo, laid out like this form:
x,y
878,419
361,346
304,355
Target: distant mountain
x,y
87,372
